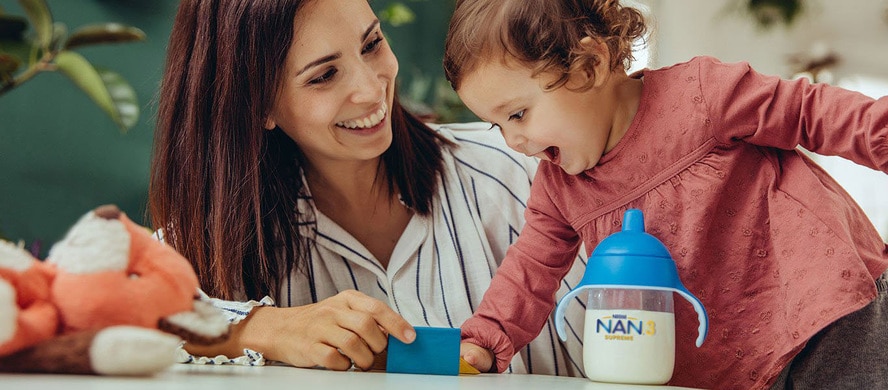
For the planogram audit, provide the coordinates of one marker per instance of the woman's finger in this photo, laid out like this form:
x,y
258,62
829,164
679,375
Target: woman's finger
x,y
351,345
365,326
384,316
329,357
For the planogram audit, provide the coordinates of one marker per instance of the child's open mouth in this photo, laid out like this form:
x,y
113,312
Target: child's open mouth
x,y
552,154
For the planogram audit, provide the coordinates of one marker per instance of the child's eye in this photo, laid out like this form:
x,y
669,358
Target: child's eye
x,y
372,45
517,116
327,76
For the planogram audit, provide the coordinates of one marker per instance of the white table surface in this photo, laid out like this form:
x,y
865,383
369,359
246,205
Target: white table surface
x,y
191,377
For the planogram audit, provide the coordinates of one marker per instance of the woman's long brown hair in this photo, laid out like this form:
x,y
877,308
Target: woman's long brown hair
x,y
222,188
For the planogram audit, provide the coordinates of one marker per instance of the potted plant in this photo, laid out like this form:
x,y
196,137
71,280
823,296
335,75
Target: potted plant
x,y
50,48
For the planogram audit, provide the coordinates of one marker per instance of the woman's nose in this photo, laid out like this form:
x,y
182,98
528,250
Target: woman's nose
x,y
368,85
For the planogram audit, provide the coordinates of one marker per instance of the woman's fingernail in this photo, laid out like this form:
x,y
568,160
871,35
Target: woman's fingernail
x,y
409,335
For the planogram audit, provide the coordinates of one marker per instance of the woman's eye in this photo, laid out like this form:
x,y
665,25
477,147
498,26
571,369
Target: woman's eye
x,y
372,45
517,116
327,76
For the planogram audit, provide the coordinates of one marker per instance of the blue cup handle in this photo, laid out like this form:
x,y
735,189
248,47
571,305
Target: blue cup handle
x,y
562,306
702,317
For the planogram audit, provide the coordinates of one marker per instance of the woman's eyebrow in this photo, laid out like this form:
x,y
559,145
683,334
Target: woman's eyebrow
x,y
319,61
336,55
370,29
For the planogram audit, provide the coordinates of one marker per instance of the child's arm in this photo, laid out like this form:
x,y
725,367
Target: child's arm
x,y
521,295
769,111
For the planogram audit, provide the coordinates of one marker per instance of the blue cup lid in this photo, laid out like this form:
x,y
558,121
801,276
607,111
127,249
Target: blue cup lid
x,y
632,259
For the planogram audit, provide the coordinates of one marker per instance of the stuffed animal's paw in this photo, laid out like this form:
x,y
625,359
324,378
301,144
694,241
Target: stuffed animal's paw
x,y
130,350
8,312
26,314
204,325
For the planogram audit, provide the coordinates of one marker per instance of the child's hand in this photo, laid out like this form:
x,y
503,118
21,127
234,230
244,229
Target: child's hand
x,y
480,358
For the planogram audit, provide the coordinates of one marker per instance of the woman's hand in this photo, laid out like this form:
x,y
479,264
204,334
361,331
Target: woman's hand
x,y
478,357
333,333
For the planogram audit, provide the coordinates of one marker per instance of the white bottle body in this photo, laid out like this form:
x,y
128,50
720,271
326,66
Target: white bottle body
x,y
629,336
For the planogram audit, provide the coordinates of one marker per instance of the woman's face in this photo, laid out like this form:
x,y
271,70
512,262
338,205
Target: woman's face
x,y
338,83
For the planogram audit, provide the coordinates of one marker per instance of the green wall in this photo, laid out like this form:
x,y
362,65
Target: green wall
x,y
60,156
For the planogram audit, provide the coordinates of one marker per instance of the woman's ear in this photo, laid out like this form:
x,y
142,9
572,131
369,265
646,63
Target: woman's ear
x,y
270,123
598,58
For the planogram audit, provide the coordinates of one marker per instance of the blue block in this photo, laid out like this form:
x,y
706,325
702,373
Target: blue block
x,y
434,351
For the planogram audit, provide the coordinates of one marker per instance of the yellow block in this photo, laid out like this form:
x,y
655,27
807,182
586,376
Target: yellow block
x,y
466,368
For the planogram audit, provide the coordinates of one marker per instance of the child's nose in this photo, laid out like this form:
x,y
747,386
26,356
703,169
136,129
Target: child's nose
x,y
515,140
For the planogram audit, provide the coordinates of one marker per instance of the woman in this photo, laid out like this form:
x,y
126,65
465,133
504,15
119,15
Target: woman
x,y
284,166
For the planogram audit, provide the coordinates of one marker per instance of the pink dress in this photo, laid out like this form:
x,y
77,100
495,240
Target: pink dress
x,y
771,245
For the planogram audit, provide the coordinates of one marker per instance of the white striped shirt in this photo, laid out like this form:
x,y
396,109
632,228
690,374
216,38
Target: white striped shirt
x,y
443,263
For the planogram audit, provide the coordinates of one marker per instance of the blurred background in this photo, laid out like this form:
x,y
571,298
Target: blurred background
x,y
62,154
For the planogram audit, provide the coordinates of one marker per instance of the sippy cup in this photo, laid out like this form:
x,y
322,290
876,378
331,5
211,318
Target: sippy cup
x,y
629,334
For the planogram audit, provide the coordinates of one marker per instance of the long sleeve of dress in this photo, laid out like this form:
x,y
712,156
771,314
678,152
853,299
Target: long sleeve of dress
x,y
522,293
769,111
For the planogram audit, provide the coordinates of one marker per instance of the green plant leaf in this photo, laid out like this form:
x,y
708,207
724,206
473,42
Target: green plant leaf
x,y
107,89
104,33
124,97
41,21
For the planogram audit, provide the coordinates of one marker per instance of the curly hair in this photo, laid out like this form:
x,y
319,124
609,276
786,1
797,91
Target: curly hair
x,y
542,34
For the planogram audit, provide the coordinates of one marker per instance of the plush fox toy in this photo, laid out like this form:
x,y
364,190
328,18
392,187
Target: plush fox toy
x,y
108,300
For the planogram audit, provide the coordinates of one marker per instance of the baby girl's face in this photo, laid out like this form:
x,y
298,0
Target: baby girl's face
x,y
570,129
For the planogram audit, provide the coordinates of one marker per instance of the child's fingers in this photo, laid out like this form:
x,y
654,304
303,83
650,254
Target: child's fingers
x,y
478,357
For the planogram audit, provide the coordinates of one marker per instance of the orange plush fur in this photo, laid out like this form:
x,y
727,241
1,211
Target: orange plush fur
x,y
24,289
109,299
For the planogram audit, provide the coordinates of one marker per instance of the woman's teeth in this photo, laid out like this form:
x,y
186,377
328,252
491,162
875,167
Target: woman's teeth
x,y
367,122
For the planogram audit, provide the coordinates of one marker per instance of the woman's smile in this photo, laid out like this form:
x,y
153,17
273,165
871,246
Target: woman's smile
x,y
367,124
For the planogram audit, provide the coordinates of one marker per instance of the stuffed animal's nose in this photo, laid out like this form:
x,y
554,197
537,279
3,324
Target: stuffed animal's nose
x,y
108,211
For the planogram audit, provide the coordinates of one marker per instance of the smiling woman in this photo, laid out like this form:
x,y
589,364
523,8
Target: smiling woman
x,y
285,166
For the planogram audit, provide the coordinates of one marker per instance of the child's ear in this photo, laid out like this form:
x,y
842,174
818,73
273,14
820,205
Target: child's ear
x,y
597,56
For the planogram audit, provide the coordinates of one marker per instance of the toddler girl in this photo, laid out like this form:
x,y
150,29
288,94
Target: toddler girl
x,y
791,271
